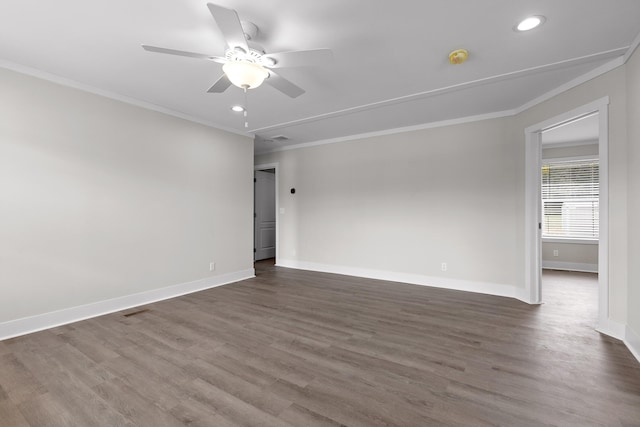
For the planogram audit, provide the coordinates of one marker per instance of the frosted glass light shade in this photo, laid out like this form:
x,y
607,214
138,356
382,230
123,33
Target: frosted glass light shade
x,y
244,74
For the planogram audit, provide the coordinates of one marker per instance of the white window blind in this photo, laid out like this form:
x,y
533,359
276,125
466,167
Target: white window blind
x,y
570,192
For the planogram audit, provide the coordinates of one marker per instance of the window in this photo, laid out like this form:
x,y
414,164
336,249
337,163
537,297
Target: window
x,y
570,192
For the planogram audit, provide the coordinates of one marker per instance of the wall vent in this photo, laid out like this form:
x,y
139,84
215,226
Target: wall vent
x,y
135,313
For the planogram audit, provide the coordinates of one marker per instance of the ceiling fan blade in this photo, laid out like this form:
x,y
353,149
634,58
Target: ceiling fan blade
x,y
221,85
301,58
183,53
283,85
230,27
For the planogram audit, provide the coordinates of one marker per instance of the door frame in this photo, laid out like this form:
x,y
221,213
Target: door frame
x,y
261,167
533,206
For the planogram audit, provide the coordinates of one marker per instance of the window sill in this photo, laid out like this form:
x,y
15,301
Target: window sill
x,y
567,240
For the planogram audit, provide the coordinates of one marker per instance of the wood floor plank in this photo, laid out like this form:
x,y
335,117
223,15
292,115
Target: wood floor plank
x,y
234,385
245,371
304,349
232,407
79,365
10,415
163,394
91,345
16,381
68,393
193,413
4,349
270,362
299,416
45,411
134,406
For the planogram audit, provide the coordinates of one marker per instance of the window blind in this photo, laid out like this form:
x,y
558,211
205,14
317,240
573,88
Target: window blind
x,y
570,192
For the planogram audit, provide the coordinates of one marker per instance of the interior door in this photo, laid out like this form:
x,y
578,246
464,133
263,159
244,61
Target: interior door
x,y
265,215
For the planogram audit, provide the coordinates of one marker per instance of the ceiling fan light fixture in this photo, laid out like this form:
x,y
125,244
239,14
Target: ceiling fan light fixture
x,y
245,74
530,23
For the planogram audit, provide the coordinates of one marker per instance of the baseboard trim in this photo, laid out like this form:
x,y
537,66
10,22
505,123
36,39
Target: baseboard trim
x,y
522,295
27,325
487,288
612,328
570,266
632,341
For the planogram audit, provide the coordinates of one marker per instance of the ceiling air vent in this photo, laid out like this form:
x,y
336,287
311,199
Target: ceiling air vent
x,y
279,138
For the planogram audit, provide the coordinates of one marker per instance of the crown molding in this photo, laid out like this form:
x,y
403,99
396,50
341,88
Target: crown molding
x,y
596,72
63,81
632,48
605,68
447,89
620,60
432,125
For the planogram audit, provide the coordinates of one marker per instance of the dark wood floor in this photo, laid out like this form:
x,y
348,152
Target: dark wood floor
x,y
294,348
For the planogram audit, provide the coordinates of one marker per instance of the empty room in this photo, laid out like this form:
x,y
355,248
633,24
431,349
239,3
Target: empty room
x,y
307,213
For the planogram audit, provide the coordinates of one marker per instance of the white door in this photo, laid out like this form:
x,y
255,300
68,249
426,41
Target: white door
x,y
265,215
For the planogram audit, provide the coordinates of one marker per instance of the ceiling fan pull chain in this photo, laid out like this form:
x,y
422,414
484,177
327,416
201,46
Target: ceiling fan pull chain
x,y
246,108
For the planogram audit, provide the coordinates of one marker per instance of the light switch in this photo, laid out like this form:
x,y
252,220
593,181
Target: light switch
x,y
281,211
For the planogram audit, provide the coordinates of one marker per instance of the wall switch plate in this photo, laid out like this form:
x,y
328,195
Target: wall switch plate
x,y
281,211
443,267
555,252
212,266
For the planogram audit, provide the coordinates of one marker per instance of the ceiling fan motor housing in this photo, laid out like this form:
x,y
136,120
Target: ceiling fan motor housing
x,y
239,54
249,29
255,54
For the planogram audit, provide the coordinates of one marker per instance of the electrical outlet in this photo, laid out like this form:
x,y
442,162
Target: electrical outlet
x,y
212,266
443,267
555,252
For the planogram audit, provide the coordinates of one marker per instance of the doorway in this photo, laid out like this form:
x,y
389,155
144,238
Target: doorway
x,y
533,207
265,225
570,215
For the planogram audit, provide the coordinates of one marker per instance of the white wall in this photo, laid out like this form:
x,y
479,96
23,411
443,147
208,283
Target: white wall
x,y
570,256
100,199
613,85
633,114
587,149
404,204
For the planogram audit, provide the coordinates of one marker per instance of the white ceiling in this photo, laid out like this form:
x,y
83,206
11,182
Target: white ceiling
x,y
391,68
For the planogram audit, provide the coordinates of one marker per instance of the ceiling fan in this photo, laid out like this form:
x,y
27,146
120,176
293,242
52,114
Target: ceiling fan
x,y
245,63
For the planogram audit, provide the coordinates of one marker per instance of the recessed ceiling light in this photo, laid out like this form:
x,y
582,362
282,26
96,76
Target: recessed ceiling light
x,y
530,23
237,108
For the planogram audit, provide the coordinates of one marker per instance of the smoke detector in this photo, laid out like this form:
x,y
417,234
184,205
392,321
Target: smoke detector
x,y
458,56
